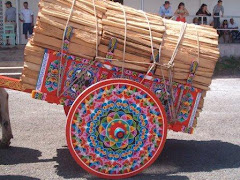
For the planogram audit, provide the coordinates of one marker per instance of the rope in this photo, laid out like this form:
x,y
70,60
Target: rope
x,y
163,76
182,31
135,62
93,61
151,39
79,76
125,38
95,14
169,67
166,90
160,48
61,58
198,43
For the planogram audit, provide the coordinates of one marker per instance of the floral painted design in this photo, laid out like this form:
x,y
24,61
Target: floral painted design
x,y
78,80
116,129
185,107
52,76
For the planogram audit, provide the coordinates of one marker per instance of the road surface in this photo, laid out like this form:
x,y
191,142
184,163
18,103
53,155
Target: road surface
x,y
39,148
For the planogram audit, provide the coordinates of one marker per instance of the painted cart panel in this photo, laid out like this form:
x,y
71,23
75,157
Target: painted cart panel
x,y
185,103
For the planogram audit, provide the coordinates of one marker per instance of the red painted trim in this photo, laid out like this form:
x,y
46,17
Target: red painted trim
x,y
76,104
66,109
13,84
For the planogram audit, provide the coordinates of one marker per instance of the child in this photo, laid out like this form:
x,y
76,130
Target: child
x,y
181,13
225,33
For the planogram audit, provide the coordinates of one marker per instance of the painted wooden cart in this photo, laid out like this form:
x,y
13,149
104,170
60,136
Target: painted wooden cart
x,y
117,119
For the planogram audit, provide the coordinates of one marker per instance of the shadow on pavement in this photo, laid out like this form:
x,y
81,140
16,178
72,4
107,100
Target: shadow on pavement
x,y
68,169
9,177
19,155
178,156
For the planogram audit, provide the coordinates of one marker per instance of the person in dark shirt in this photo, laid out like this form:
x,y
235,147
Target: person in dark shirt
x,y
10,18
203,11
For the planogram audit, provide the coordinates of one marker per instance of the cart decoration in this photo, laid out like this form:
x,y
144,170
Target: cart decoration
x,y
186,98
124,77
127,131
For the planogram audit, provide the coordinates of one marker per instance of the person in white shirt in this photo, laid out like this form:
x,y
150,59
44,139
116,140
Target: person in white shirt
x,y
232,24
235,33
27,19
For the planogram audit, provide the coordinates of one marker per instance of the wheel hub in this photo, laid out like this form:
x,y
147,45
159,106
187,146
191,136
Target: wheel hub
x,y
119,133
118,130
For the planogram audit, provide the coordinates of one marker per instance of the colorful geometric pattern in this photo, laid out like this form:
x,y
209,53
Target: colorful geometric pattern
x,y
52,78
185,107
78,74
116,127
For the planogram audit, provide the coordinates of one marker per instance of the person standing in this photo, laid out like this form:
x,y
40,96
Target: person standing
x,y
166,11
216,12
28,20
203,11
181,13
10,16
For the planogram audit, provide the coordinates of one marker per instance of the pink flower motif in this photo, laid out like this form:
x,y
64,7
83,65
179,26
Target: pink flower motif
x,y
129,73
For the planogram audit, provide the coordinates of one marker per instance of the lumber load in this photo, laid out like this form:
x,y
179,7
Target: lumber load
x,y
139,36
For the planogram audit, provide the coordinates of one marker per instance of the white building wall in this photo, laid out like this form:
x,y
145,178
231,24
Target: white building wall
x,y
1,21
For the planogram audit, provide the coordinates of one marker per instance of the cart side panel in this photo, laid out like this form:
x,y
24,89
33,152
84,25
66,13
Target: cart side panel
x,y
79,74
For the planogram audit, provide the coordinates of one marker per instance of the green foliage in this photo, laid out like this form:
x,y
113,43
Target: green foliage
x,y
228,66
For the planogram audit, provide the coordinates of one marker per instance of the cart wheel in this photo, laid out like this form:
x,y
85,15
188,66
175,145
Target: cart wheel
x,y
116,129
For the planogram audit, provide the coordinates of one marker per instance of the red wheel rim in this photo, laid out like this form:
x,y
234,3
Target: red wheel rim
x,y
106,109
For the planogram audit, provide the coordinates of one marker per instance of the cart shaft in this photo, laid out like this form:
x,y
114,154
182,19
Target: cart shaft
x,y
13,84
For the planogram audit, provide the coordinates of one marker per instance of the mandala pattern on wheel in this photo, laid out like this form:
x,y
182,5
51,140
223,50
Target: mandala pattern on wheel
x,y
117,129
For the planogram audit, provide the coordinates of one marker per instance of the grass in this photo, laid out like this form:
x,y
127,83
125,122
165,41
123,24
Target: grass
x,y
228,66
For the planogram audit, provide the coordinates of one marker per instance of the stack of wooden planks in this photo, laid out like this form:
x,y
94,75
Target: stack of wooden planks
x,y
49,29
137,32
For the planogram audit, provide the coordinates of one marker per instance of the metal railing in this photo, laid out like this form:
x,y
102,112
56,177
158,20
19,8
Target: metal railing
x,y
234,33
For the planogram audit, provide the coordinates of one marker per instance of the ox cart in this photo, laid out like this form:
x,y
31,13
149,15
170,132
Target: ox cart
x,y
117,117
116,125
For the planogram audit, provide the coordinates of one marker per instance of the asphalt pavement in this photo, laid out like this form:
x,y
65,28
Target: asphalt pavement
x,y
39,147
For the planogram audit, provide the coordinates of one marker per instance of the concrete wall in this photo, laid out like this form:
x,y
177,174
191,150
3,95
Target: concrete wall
x,y
229,50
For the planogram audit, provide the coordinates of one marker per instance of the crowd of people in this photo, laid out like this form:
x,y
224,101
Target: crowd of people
x,y
232,33
229,35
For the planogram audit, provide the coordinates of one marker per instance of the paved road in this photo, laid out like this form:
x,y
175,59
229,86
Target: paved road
x,y
213,152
